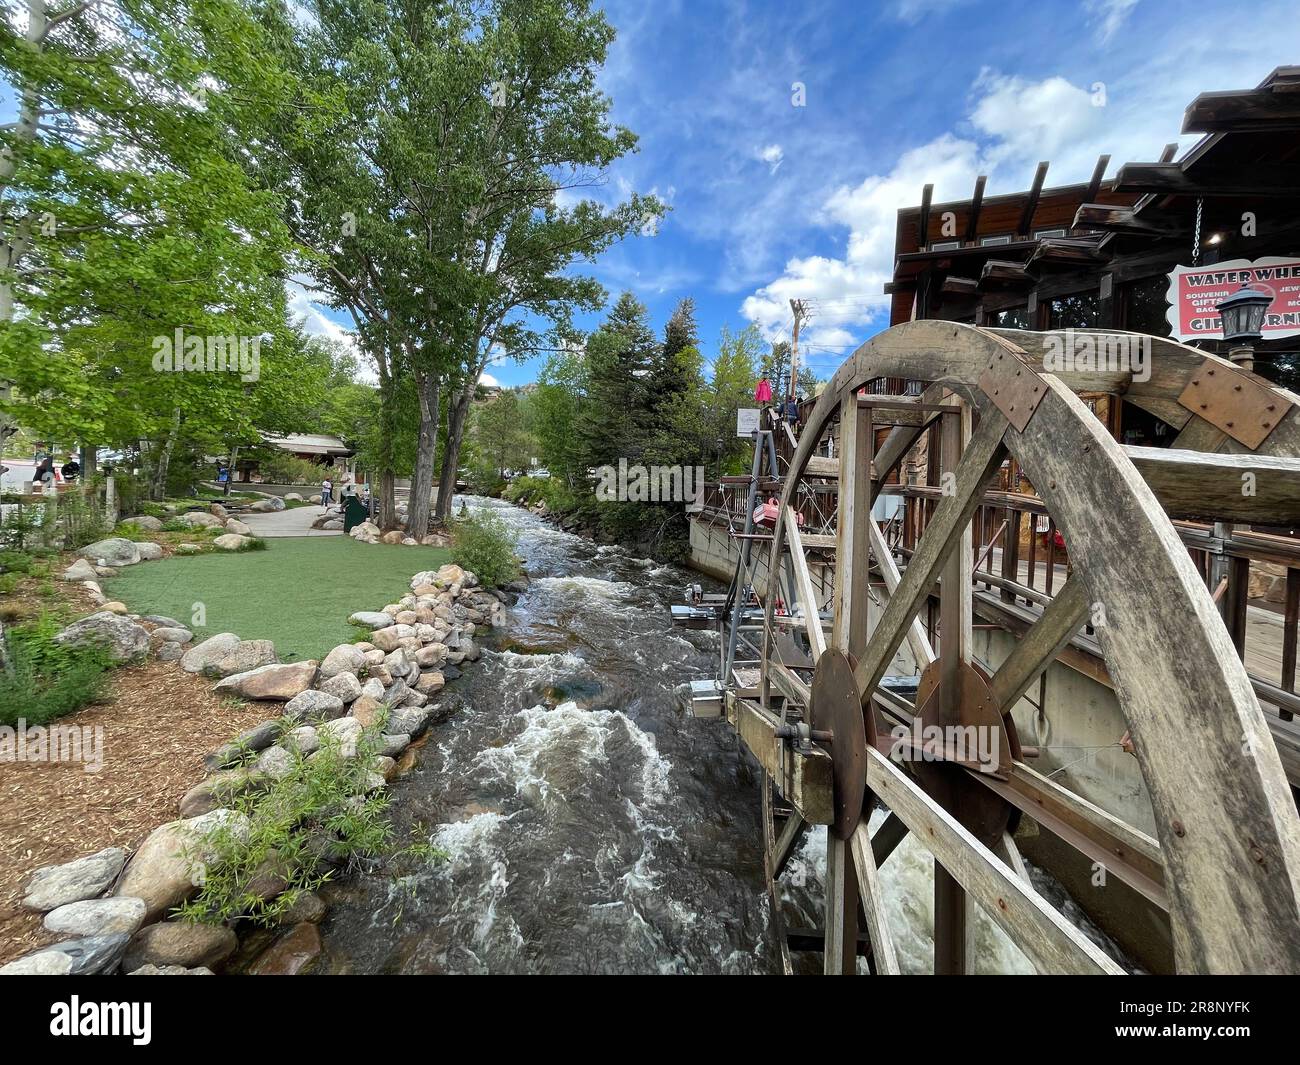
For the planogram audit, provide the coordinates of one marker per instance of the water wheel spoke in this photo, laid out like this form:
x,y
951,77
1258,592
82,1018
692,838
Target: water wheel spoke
x,y
1050,941
942,536
917,640
872,897
803,584
1039,647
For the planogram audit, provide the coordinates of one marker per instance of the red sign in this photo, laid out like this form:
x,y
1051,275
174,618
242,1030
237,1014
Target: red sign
x,y
1195,292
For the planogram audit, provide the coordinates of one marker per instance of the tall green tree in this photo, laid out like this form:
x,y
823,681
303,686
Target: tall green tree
x,y
615,420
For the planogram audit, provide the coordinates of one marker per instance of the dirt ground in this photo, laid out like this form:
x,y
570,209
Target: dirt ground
x,y
158,723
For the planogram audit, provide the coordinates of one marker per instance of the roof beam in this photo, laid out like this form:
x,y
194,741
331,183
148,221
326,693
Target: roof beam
x,y
972,223
1243,111
923,224
1094,183
1031,203
1115,218
1171,178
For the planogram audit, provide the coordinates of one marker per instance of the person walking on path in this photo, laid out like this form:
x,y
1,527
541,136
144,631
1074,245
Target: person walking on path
x,y
326,492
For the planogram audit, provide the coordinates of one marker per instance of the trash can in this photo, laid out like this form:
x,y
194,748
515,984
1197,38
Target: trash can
x,y
354,513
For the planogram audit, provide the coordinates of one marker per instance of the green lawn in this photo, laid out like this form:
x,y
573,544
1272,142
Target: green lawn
x,y
298,592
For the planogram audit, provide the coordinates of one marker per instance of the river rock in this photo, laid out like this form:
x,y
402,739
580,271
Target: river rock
x,y
97,917
188,549
431,655
218,511
225,653
162,621
374,688
182,943
397,663
302,740
406,617
220,789
371,619
407,720
121,639
366,710
384,766
149,552
345,658
432,681
113,552
81,570
77,957
374,657
200,519
231,541
170,970
314,705
280,681
307,906
394,744
292,497
170,635
393,536
366,531
169,866
275,762
344,686
170,652
58,885
345,731
391,638
147,522
239,528
289,954
255,739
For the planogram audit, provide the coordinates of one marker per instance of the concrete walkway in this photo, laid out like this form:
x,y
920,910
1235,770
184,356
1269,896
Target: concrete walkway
x,y
292,521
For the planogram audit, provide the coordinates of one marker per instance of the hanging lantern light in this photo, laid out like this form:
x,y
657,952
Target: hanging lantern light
x,y
1243,315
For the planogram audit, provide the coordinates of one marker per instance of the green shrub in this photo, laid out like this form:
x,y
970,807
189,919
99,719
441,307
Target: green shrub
x,y
316,816
40,679
550,490
484,544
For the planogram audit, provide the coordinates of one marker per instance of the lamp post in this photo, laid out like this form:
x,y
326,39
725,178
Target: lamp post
x,y
1243,316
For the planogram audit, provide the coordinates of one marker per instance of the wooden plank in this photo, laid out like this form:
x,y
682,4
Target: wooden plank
x,y
821,466
840,956
1048,939
872,897
804,586
855,523
917,641
942,536
1250,488
803,777
1038,648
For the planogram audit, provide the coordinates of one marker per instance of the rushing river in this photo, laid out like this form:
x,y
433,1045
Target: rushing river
x,y
589,823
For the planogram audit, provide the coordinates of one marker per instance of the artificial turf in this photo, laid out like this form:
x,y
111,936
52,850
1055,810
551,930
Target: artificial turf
x,y
298,592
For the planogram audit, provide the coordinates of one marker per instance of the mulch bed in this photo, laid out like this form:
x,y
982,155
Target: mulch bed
x,y
159,724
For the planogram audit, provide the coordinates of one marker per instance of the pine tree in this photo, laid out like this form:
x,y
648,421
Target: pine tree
x,y
617,414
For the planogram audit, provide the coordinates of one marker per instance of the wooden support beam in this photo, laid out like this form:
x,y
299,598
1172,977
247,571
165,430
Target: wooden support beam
x,y
1051,942
1168,179
840,957
1210,486
1039,647
923,223
803,777
1026,226
1114,218
977,200
1243,111
1094,182
872,897
917,641
804,586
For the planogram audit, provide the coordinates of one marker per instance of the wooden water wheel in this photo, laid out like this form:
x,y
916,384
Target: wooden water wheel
x,y
1225,862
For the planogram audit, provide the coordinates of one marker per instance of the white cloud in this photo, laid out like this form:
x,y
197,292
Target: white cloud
x,y
772,155
1109,15
488,381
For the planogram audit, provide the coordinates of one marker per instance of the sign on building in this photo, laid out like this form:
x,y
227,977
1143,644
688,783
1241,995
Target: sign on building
x,y
746,421
1195,291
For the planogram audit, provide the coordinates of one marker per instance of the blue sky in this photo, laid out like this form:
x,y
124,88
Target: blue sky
x,y
770,200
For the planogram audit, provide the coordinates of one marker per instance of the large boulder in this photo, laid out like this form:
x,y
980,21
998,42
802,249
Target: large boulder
x,y
293,497
199,519
120,638
255,739
367,531
371,619
312,705
77,957
344,686
225,653
113,552
390,639
343,731
97,917
280,681
239,528
220,789
147,522
59,885
81,570
169,866
290,954
180,943
345,658
149,552
231,542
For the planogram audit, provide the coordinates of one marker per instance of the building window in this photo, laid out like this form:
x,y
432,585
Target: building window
x,y
1080,311
945,245
1015,318
988,242
1044,233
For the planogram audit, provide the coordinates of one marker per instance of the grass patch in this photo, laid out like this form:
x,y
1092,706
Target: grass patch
x,y
298,594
